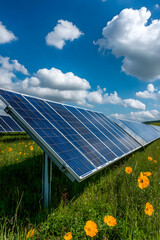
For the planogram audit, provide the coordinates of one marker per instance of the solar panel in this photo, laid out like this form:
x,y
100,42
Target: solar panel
x,y
143,133
79,141
156,127
9,125
1,129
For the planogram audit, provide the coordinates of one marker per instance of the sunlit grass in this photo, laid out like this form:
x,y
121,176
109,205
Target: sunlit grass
x,y
112,192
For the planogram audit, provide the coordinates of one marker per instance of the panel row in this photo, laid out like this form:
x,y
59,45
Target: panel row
x,y
7,124
142,133
82,140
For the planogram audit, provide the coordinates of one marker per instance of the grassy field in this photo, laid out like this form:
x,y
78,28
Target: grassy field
x,y
110,192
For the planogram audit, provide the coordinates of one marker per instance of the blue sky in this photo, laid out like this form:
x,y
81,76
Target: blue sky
x,y
102,55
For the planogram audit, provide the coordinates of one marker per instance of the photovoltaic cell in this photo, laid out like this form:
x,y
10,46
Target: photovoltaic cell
x,y
1,129
104,139
144,131
80,141
11,123
156,127
5,126
84,131
107,131
68,131
48,133
128,141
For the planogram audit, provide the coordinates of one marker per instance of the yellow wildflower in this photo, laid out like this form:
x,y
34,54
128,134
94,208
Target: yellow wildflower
x,y
2,151
150,158
9,149
155,161
31,148
132,155
20,153
110,221
128,170
68,236
91,228
25,145
147,174
30,233
143,181
149,209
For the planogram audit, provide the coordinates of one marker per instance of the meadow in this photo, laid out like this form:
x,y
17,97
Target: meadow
x,y
112,192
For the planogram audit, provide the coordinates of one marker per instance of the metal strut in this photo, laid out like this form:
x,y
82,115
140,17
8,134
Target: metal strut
x,y
46,180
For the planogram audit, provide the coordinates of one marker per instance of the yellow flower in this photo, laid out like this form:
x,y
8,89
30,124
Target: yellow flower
x,y
149,209
147,174
33,142
91,228
31,148
30,233
2,151
24,153
29,143
143,181
150,158
155,161
9,149
128,170
132,155
110,221
68,236
25,145
16,159
20,153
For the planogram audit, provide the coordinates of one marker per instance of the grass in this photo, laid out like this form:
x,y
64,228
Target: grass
x,y
109,192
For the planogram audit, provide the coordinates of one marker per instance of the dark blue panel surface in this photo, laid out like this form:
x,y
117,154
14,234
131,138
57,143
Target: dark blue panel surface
x,y
11,123
5,126
60,124
59,144
104,139
144,131
123,137
107,131
81,129
1,129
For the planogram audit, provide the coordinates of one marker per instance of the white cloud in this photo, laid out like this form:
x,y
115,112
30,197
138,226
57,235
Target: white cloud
x,y
150,93
141,116
55,85
6,36
12,65
62,32
100,97
130,35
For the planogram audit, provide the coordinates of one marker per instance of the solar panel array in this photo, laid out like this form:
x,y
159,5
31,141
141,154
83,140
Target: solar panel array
x,y
156,127
143,133
7,124
79,141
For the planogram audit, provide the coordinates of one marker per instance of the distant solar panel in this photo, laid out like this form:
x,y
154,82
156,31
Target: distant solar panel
x,y
156,127
74,139
9,125
143,133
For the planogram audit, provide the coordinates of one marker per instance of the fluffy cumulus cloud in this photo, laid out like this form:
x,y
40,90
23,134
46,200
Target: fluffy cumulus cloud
x,y
150,93
62,32
8,69
6,36
55,85
141,116
100,97
134,36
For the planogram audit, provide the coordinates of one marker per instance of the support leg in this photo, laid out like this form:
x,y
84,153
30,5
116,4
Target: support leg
x,y
46,181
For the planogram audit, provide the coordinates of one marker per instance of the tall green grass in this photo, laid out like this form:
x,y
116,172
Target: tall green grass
x,y
109,192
